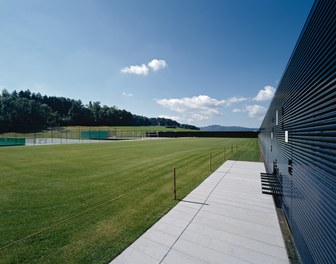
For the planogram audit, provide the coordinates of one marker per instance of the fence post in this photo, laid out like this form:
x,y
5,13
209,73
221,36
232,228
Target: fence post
x,y
210,162
224,153
174,179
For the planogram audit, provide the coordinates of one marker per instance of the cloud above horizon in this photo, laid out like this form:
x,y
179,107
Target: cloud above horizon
x,y
136,69
265,94
143,69
175,118
200,107
156,65
254,111
203,107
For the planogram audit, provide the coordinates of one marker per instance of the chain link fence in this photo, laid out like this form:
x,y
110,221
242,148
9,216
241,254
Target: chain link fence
x,y
72,135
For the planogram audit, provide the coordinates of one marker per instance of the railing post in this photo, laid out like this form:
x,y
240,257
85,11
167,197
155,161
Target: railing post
x,y
174,180
224,153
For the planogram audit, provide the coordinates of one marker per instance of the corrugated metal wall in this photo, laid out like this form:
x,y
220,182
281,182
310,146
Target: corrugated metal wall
x,y
298,137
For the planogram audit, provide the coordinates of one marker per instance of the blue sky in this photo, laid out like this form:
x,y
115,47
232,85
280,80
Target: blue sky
x,y
199,62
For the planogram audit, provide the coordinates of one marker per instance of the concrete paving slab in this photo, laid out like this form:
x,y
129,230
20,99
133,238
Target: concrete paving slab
x,y
226,219
168,229
151,248
134,256
160,237
206,254
230,249
259,227
268,249
177,257
257,216
240,230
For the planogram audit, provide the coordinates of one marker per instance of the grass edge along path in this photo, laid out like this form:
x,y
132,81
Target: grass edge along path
x,y
98,229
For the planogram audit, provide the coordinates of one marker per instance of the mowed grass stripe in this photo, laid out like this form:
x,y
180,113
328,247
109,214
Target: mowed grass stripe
x,y
51,186
58,223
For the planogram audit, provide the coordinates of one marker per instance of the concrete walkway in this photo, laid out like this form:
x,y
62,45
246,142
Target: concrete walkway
x,y
224,220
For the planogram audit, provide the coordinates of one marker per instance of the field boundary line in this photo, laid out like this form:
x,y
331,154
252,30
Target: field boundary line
x,y
60,222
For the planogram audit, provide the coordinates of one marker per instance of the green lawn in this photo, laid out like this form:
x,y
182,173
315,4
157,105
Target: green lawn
x,y
85,203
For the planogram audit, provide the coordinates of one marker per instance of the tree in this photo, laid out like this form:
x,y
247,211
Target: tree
x,y
95,108
25,110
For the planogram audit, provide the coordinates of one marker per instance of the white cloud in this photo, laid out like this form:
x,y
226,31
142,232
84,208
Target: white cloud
x,y
156,65
265,94
197,108
176,118
199,117
136,69
188,119
233,100
256,111
127,94
201,108
201,103
143,69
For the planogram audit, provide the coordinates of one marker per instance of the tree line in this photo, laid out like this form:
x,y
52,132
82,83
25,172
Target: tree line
x,y
25,110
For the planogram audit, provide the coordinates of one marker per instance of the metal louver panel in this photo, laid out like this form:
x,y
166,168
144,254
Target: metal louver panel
x,y
303,142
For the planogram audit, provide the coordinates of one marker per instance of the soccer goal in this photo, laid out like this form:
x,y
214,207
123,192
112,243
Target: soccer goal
x,y
152,135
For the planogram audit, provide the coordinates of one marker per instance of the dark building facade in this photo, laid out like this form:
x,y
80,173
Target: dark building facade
x,y
298,137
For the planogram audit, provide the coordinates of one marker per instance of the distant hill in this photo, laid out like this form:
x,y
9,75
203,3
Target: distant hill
x,y
227,128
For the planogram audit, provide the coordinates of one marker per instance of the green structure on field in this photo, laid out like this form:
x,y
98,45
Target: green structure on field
x,y
94,134
12,142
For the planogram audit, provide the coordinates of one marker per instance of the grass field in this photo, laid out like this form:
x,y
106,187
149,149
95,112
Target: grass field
x,y
86,203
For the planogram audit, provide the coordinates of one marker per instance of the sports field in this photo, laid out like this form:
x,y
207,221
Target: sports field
x,y
81,134
75,131
85,203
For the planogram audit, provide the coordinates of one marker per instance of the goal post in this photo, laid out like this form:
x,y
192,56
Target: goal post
x,y
152,134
